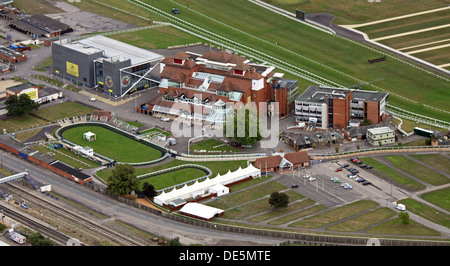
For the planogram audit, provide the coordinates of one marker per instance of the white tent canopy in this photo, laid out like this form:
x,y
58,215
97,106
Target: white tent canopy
x,y
204,188
200,210
89,136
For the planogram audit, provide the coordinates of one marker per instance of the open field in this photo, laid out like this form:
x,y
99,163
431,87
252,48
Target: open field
x,y
354,12
386,172
112,145
414,35
426,211
212,145
437,161
336,53
417,170
173,178
440,198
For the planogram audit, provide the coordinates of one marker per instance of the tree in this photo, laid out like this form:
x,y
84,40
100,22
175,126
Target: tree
x,y
123,180
278,200
21,105
37,239
366,122
404,217
245,126
149,190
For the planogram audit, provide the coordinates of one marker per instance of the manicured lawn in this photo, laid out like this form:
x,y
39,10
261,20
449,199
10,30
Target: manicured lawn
x,y
387,172
212,145
262,205
63,110
282,211
363,221
417,170
428,212
437,161
440,198
395,227
173,178
112,145
231,200
335,215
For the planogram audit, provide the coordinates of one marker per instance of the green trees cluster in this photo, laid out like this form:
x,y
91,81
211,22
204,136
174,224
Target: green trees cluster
x,y
19,106
244,126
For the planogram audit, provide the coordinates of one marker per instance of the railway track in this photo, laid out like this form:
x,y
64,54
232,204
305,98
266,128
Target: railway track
x,y
60,211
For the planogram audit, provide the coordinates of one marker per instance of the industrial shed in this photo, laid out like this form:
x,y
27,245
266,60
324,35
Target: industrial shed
x,y
200,211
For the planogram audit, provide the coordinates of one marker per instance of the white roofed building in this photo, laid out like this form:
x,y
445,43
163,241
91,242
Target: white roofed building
x,y
200,211
217,186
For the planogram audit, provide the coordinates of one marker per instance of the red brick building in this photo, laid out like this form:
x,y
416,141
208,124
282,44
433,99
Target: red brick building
x,y
198,87
340,107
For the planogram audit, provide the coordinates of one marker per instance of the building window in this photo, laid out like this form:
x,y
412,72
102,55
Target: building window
x,y
238,72
178,61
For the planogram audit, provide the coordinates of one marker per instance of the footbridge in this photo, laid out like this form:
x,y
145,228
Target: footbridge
x,y
23,175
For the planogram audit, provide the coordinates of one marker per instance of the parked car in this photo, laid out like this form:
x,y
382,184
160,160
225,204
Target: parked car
x,y
92,99
360,180
294,186
363,165
369,167
165,119
311,179
346,186
338,170
365,183
358,162
334,178
345,165
355,160
351,176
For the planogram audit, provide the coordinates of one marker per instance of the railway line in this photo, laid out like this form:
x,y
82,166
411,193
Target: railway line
x,y
52,233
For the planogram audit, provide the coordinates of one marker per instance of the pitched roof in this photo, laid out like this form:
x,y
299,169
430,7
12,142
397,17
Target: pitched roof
x,y
223,57
269,162
297,157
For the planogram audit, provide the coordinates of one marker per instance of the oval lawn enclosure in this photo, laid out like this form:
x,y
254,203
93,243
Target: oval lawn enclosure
x,y
113,143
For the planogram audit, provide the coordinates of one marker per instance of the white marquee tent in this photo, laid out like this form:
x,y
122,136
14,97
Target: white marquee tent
x,y
200,211
208,186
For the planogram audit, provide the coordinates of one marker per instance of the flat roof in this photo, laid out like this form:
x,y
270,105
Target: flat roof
x,y
113,48
380,130
317,94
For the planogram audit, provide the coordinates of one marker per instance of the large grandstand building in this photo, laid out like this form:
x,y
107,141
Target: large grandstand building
x,y
198,87
114,67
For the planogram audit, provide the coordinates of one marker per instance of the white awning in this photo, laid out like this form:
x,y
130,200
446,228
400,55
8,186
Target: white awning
x,y
200,210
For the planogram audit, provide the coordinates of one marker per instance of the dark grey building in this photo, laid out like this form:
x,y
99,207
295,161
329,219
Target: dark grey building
x,y
114,67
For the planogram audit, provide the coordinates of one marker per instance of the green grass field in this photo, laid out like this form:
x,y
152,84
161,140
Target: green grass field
x,y
427,211
386,172
440,198
417,170
112,145
355,12
173,178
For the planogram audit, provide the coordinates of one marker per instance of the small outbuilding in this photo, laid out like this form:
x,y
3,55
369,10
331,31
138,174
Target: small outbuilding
x,y
89,136
200,211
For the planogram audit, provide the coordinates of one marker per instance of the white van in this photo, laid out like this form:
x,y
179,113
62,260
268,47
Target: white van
x,y
400,207
92,99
